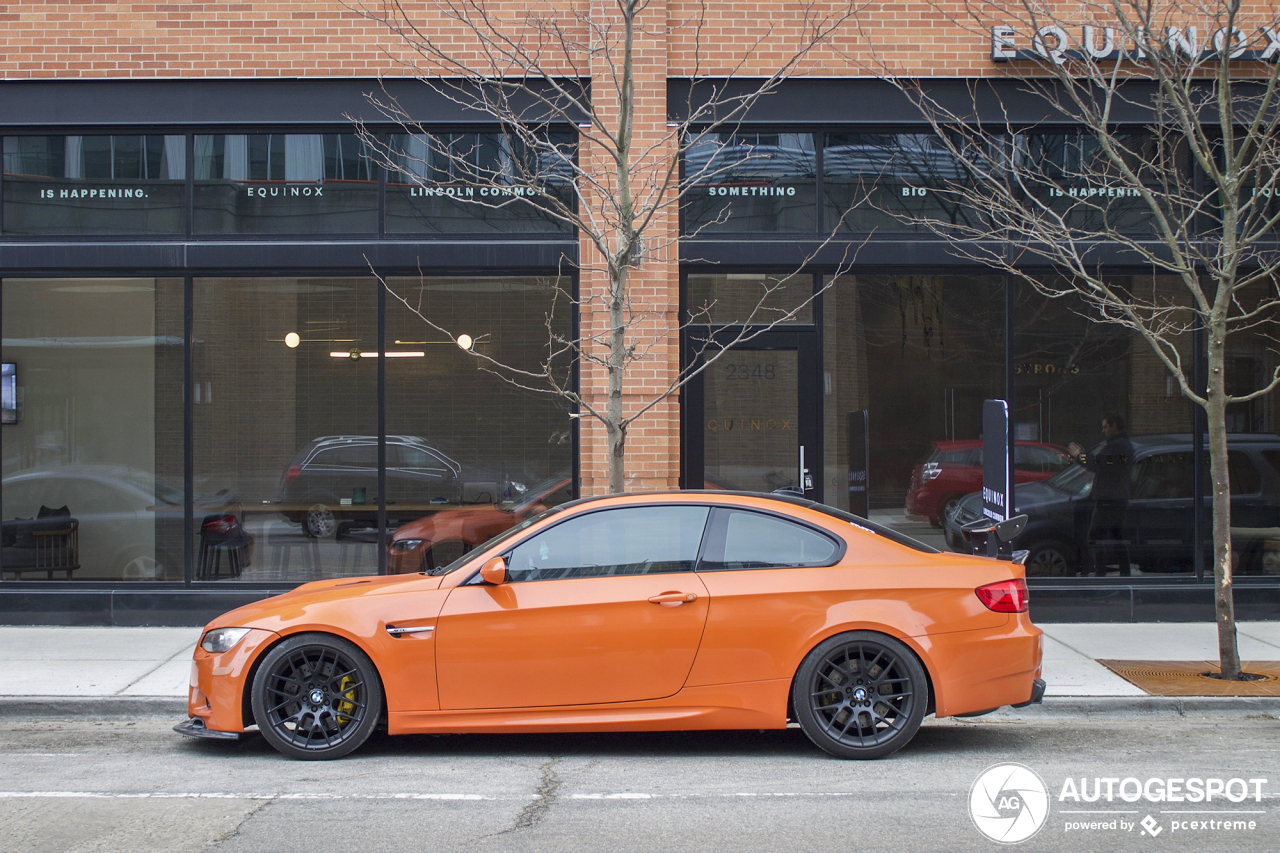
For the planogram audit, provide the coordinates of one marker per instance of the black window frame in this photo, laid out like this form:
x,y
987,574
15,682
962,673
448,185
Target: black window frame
x,y
716,536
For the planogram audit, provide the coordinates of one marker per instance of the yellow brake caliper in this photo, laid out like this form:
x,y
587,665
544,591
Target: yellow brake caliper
x,y
348,692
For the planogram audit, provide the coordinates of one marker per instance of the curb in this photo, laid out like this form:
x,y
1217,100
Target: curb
x,y
1161,706
1053,707
92,706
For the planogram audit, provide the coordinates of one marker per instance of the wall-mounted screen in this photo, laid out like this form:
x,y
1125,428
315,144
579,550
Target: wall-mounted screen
x,y
8,393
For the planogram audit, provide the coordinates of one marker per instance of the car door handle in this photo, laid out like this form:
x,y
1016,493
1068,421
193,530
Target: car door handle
x,y
674,598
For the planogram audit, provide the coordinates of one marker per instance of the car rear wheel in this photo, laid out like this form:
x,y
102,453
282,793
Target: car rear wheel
x,y
1049,559
946,509
860,695
320,522
316,696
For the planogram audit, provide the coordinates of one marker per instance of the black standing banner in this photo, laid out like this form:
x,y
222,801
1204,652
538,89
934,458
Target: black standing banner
x,y
859,458
997,479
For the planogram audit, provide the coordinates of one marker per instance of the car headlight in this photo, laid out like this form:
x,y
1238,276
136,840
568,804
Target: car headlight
x,y
220,640
404,546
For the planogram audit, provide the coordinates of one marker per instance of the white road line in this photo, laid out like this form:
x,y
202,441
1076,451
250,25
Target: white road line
x,y
191,795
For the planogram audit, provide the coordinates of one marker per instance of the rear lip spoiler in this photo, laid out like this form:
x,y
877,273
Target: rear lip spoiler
x,y
1037,694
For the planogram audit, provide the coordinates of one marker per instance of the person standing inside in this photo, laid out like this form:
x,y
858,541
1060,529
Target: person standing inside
x,y
1112,465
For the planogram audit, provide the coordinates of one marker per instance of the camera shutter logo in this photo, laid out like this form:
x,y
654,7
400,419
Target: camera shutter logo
x,y
1009,803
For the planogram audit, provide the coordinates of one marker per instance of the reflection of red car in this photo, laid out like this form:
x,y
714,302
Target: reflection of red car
x,y
954,469
443,536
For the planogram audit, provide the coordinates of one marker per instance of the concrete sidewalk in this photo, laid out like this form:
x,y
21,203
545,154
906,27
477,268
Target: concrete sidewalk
x,y
154,663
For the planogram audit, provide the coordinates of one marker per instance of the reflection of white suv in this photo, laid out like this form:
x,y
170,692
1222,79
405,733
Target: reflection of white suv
x,y
130,522
334,480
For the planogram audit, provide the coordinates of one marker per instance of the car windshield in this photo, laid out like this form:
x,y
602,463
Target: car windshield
x,y
1075,480
501,537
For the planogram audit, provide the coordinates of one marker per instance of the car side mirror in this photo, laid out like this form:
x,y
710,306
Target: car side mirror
x,y
494,571
1008,529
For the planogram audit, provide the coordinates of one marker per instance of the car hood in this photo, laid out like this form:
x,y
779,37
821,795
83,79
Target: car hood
x,y
286,607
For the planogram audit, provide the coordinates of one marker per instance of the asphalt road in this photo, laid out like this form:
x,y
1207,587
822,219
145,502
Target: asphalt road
x,y
89,784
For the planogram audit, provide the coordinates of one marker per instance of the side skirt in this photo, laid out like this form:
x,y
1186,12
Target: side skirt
x,y
749,705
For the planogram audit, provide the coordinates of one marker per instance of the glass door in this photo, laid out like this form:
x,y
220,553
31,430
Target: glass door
x,y
751,418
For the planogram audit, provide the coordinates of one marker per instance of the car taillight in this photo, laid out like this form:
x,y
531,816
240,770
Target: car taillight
x,y
1005,596
221,524
292,473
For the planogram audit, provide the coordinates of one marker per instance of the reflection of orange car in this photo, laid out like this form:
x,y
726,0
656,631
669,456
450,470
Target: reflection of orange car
x,y
694,610
440,538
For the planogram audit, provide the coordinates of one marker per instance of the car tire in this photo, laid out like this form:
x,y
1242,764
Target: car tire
x,y
860,695
316,696
320,522
1050,558
945,508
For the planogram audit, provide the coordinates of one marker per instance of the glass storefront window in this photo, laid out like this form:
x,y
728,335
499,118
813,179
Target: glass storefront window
x,y
511,449
883,181
1072,373
127,184
92,485
750,182
286,428
285,183
919,354
724,299
1070,174
464,183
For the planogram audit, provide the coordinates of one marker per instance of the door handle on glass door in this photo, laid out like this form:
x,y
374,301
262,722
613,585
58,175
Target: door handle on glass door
x,y
674,598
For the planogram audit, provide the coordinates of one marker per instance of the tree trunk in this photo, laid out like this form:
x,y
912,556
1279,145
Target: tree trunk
x,y
617,369
1216,411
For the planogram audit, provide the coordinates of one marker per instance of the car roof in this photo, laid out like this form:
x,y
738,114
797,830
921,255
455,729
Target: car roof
x,y
794,500
1182,441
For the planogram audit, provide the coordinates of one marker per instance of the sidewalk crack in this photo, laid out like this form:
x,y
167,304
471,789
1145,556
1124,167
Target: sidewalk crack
x,y
1256,638
155,668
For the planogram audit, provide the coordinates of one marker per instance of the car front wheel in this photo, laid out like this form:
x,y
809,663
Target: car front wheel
x,y
860,695
316,696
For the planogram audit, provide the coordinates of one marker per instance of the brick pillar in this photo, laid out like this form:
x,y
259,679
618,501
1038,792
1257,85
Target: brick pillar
x,y
653,441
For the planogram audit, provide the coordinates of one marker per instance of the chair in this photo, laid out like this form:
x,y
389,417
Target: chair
x,y
221,536
282,538
50,544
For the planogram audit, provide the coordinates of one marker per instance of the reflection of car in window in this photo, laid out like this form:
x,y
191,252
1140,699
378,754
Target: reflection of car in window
x,y
333,482
954,469
1159,516
434,541
129,522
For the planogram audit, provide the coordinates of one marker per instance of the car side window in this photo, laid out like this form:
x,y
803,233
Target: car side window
x,y
413,458
1244,475
754,540
1162,476
637,540
349,456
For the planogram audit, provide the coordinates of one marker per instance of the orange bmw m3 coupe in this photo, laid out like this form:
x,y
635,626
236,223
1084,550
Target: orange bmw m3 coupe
x,y
671,611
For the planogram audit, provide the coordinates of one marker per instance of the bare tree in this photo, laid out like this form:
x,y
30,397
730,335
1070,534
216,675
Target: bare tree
x,y
1158,143
615,181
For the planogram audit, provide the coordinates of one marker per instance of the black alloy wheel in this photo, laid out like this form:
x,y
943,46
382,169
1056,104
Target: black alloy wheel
x,y
860,695
316,696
